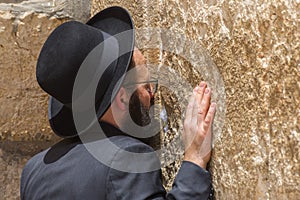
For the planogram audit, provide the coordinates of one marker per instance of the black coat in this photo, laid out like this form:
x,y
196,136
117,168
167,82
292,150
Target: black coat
x,y
68,171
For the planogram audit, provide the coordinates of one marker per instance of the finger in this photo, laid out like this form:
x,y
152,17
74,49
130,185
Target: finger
x,y
189,109
209,118
194,119
201,90
204,106
206,144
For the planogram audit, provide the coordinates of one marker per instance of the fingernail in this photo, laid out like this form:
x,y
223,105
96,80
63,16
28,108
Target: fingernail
x,y
196,89
202,84
213,105
206,91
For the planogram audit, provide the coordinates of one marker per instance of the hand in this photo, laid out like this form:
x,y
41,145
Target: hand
x,y
197,130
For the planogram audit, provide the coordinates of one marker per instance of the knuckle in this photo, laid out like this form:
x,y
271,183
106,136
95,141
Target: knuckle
x,y
200,138
207,121
201,135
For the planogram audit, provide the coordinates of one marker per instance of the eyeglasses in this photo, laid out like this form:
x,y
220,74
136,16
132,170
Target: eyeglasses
x,y
150,86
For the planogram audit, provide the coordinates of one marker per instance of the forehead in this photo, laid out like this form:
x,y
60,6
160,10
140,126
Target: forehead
x,y
140,62
138,58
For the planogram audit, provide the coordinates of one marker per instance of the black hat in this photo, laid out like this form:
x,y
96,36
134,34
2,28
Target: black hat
x,y
73,46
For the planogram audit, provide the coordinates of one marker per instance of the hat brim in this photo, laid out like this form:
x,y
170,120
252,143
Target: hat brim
x,y
113,20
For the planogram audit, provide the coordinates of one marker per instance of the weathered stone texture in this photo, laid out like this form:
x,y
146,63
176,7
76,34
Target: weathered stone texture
x,y
256,48
21,98
23,104
24,128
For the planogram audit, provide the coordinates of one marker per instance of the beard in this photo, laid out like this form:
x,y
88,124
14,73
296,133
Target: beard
x,y
139,113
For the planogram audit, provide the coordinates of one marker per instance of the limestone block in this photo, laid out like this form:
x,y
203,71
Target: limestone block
x,y
23,29
23,104
24,127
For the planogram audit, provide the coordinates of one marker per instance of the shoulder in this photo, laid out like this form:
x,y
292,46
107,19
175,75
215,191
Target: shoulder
x,y
136,168
131,144
133,156
36,160
32,165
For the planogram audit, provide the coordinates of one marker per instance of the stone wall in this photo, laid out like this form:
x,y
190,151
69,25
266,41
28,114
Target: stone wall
x,y
24,128
248,52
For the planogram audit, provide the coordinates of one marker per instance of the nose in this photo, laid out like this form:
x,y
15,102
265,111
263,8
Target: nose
x,y
151,93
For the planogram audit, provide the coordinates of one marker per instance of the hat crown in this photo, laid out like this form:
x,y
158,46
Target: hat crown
x,y
62,55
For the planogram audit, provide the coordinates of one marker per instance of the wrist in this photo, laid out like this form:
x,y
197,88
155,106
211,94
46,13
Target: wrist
x,y
198,161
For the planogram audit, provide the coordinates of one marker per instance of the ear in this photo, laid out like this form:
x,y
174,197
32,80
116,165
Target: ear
x,y
121,99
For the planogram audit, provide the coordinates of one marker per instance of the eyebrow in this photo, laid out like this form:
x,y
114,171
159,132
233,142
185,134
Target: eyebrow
x,y
141,82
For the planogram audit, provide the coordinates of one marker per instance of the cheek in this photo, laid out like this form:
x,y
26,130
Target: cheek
x,y
145,98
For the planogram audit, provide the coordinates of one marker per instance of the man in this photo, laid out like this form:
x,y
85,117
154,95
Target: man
x,y
87,164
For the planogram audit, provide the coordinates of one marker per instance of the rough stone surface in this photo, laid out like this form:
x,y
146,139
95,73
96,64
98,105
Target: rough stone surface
x,y
73,9
24,128
255,46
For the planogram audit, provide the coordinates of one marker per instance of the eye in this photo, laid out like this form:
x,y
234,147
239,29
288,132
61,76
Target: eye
x,y
148,87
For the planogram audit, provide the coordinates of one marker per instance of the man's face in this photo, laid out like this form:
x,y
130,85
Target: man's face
x,y
139,109
142,98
